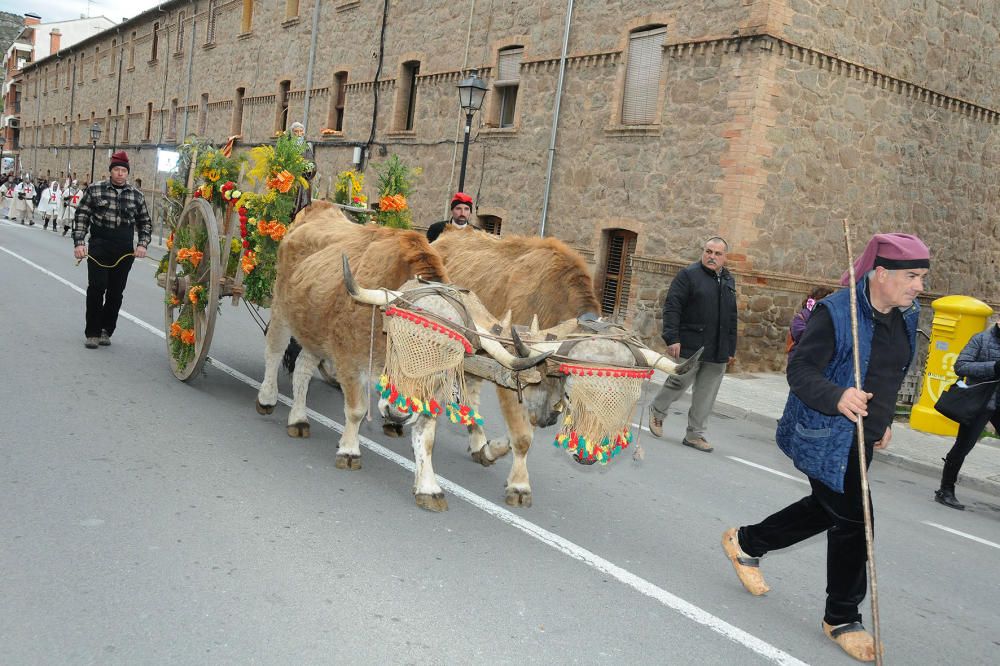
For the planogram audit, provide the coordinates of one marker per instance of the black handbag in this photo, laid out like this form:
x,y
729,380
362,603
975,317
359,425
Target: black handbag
x,y
963,402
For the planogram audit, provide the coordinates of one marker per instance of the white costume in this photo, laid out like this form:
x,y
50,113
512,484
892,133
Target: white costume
x,y
50,205
71,197
24,201
7,192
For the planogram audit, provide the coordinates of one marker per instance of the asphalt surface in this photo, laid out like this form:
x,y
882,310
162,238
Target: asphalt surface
x,y
152,521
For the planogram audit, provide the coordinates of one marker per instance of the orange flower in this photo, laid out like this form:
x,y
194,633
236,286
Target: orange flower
x,y
170,241
187,336
175,330
278,231
281,181
392,203
206,191
248,262
174,300
195,293
191,255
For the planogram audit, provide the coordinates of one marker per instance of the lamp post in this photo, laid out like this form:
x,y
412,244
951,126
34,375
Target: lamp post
x,y
95,134
471,92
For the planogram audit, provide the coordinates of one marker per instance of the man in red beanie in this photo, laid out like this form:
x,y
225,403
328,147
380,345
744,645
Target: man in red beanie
x,y
818,429
461,211
113,212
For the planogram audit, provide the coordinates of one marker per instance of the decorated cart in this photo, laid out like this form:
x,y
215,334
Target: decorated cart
x,y
224,238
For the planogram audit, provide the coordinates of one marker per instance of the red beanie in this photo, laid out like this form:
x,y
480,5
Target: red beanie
x,y
461,198
119,158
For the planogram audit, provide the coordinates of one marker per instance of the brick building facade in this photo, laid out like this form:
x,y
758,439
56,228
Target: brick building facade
x,y
765,121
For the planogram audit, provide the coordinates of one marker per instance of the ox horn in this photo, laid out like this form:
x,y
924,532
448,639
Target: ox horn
x,y
505,358
379,297
661,362
534,330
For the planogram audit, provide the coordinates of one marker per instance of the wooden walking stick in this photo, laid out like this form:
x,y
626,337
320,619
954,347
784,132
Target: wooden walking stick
x,y
862,456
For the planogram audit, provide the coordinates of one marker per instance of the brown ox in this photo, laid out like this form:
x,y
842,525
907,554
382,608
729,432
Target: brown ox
x,y
543,277
310,301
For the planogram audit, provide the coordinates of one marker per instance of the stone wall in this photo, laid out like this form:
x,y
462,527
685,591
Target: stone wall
x,y
777,119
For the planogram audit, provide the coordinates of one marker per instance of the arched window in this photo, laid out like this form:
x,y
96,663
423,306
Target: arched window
x,y
291,9
505,85
179,47
203,114
490,224
406,95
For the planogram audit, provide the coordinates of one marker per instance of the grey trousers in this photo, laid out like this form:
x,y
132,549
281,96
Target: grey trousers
x,y
707,378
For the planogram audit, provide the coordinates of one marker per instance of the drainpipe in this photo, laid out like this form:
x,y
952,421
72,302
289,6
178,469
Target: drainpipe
x,y
461,112
118,89
555,117
309,69
166,75
187,100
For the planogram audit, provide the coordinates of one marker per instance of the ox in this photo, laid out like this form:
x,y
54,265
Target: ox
x,y
545,283
310,302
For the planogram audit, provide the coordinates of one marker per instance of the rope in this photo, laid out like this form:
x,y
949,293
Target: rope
x,y
91,257
255,315
371,354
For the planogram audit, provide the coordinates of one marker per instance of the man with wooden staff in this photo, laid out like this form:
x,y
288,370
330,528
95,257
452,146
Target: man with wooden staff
x,y
818,427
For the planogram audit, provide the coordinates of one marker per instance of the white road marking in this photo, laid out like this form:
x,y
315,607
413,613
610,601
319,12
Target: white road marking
x,y
550,539
962,534
768,469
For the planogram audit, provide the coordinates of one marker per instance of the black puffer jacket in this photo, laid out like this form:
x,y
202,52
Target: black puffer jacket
x,y
978,360
700,311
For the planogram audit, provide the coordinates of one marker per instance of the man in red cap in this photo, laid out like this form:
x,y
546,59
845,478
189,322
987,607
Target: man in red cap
x,y
818,429
113,212
461,212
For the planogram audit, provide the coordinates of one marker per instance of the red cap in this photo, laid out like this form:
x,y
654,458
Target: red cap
x,y
461,198
119,158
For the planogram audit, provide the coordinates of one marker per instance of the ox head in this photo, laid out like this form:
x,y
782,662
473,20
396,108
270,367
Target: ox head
x,y
586,350
443,315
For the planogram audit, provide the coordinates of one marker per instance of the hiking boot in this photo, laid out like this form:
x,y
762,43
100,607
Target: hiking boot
x,y
655,423
947,497
105,339
697,443
90,343
747,568
853,639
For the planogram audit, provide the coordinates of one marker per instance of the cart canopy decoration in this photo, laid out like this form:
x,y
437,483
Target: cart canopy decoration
x,y
395,183
602,400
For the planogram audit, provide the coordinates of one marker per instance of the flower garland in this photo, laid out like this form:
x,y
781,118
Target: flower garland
x,y
182,336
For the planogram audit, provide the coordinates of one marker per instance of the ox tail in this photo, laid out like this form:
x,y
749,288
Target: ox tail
x,y
291,353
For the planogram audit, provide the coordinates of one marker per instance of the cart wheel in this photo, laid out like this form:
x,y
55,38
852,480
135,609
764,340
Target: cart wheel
x,y
197,226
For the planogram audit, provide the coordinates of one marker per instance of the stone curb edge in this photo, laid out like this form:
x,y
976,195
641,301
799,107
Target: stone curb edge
x,y
986,485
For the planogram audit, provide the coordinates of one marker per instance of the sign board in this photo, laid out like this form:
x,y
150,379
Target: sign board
x,y
166,160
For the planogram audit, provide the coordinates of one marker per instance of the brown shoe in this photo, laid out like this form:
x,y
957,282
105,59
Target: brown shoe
x,y
697,443
90,343
105,339
853,639
747,568
655,423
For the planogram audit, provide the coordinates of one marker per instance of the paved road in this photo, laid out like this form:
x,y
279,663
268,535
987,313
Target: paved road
x,y
150,521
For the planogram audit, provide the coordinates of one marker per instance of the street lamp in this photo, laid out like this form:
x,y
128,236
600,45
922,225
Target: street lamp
x,y
471,92
95,134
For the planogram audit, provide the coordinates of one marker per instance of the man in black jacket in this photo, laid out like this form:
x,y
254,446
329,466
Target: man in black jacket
x,y
699,311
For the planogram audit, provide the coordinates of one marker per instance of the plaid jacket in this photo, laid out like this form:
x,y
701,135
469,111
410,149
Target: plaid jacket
x,y
104,210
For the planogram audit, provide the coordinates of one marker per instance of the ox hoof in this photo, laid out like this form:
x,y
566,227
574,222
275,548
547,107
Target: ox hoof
x,y
298,430
521,498
264,409
435,502
347,461
491,451
480,457
392,429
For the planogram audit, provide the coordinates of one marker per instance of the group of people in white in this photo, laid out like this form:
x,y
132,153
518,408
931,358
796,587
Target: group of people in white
x,y
57,204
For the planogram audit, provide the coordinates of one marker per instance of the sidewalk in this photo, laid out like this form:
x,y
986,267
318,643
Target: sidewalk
x,y
760,398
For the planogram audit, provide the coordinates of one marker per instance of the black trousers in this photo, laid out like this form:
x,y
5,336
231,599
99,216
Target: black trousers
x,y
105,287
841,516
967,437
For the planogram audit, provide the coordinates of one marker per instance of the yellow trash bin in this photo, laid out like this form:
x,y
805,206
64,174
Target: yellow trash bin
x,y
956,320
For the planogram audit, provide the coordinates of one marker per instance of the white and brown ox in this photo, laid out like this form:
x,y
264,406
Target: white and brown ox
x,y
546,284
310,301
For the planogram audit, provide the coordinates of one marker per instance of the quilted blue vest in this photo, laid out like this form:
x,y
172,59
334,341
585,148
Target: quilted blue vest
x,y
819,443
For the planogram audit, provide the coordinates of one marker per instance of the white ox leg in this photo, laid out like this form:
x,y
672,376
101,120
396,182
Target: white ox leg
x,y
426,490
275,343
355,407
298,422
518,492
483,452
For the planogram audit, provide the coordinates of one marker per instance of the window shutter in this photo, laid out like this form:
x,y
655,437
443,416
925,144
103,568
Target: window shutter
x,y
642,77
509,65
618,275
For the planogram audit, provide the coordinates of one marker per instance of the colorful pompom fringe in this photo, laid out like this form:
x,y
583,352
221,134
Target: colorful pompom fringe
x,y
462,414
588,454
